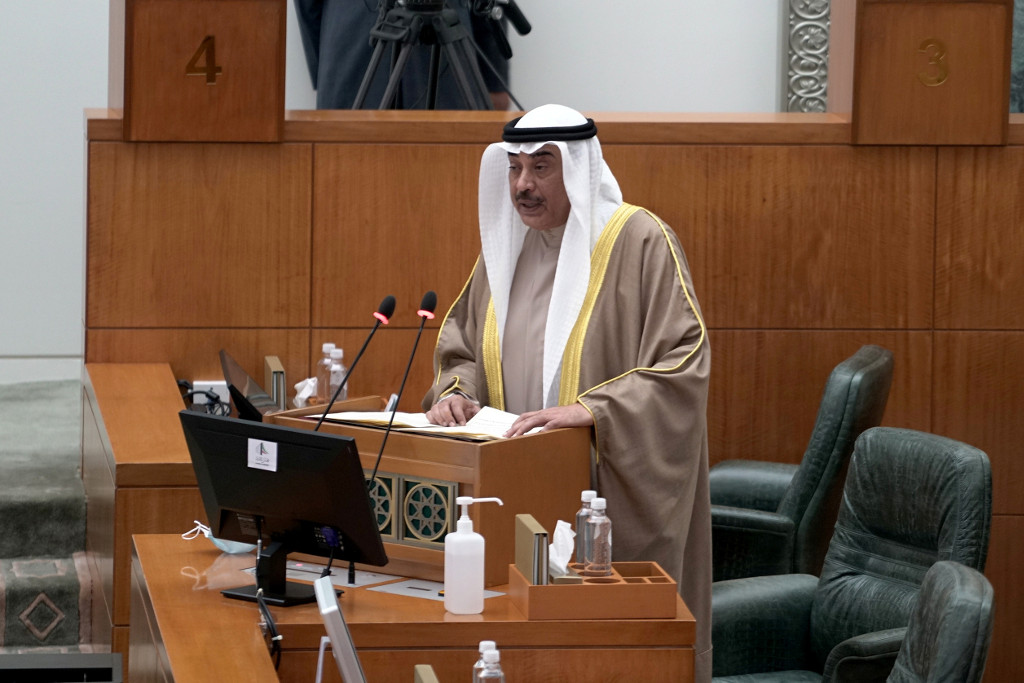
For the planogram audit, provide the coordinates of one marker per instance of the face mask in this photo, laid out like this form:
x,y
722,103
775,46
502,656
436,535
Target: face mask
x,y
230,547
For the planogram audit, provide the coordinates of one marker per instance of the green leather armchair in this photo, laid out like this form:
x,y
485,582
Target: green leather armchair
x,y
911,499
775,518
950,628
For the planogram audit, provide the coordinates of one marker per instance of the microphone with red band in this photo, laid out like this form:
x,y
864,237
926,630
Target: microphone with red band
x,y
425,312
383,315
427,306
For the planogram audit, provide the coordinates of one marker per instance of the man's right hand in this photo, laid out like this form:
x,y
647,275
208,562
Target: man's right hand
x,y
452,411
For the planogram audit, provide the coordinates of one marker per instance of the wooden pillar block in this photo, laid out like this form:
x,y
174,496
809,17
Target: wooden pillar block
x,y
199,70
923,72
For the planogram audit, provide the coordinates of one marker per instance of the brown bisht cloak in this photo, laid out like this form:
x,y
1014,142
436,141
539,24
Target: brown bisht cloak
x,y
638,360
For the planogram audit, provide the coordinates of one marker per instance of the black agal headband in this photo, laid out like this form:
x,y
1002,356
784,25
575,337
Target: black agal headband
x,y
583,131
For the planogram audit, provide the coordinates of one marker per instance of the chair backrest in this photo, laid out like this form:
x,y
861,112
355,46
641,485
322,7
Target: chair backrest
x,y
950,628
854,400
911,499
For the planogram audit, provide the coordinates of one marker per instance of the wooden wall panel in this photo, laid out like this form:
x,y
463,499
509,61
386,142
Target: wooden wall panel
x,y
642,170
977,400
1005,558
194,353
979,272
379,373
766,386
391,219
820,237
198,235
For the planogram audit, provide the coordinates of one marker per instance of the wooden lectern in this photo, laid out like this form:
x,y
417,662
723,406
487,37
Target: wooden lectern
x,y
922,72
198,70
420,476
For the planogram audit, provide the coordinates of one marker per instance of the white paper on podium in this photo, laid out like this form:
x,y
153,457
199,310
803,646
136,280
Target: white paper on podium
x,y
488,423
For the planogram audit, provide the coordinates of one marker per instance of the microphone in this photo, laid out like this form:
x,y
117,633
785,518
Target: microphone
x,y
383,314
425,312
516,17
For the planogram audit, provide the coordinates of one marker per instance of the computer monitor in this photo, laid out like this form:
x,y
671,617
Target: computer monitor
x,y
250,399
294,490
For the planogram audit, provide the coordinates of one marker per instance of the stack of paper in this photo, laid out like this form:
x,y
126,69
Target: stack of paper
x,y
489,423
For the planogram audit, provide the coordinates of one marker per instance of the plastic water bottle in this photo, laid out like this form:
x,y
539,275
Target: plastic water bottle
x,y
599,561
478,668
492,668
581,526
322,373
338,371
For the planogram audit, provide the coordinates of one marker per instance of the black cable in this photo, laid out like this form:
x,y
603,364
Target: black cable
x,y
272,633
330,559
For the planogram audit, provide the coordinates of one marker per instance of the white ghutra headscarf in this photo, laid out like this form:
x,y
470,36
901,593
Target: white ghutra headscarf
x,y
594,196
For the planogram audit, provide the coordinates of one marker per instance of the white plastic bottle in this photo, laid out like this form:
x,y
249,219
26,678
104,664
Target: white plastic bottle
x,y
581,526
323,374
492,672
485,645
599,560
464,563
338,371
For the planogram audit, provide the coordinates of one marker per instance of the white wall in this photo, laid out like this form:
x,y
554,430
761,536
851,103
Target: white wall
x,y
595,55
54,56
650,55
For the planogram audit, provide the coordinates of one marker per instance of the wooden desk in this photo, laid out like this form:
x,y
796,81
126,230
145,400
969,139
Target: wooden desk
x,y
183,629
138,478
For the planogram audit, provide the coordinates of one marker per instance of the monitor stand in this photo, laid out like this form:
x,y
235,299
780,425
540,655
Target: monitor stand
x,y
271,572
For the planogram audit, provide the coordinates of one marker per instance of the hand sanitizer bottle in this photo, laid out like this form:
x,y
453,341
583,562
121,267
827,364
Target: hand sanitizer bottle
x,y
464,563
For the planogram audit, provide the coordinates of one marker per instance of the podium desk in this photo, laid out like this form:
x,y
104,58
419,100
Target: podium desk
x,y
183,629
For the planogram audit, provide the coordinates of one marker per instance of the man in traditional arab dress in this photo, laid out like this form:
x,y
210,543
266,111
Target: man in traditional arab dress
x,y
581,312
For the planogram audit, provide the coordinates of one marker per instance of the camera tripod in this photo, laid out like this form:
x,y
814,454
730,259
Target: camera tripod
x,y
425,22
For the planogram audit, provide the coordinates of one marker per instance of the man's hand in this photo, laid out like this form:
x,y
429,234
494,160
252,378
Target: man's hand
x,y
452,411
574,415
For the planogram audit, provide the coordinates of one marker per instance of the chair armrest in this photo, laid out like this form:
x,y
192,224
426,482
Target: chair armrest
x,y
762,623
865,658
750,483
750,543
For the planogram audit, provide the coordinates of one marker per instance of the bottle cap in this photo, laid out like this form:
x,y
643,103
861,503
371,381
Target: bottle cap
x,y
486,645
491,656
588,496
337,354
599,504
327,347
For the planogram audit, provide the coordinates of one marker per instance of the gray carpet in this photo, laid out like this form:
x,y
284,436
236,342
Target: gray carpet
x,y
44,597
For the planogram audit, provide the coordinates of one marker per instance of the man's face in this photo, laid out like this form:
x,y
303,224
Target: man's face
x,y
536,187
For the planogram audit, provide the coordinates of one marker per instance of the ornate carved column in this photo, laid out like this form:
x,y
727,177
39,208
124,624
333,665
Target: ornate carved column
x,y
807,74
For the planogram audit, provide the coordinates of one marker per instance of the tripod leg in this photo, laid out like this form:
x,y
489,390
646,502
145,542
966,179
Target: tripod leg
x,y
371,71
396,76
469,55
472,100
432,75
